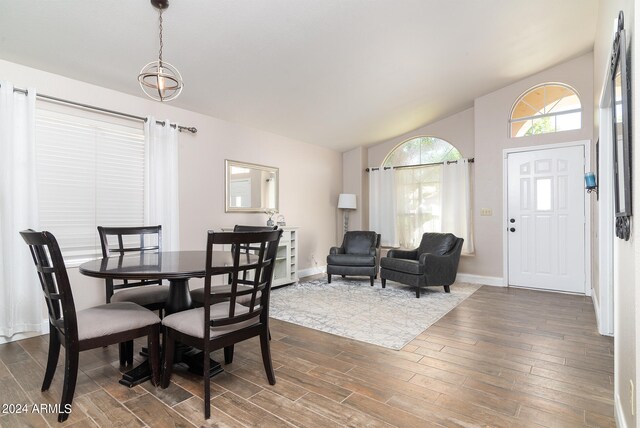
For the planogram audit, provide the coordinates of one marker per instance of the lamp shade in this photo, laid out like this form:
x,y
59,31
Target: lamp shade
x,y
347,201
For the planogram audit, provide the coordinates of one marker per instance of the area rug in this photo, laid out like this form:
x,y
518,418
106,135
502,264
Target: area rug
x,y
389,317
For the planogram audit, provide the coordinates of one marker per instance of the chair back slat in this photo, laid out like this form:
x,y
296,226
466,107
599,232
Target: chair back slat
x,y
120,241
54,281
261,246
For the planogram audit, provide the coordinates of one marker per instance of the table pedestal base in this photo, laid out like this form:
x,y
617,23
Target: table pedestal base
x,y
192,357
137,375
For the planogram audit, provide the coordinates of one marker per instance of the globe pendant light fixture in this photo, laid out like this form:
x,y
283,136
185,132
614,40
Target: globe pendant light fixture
x,y
160,80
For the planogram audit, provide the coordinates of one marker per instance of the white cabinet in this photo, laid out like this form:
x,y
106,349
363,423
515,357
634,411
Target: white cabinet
x,y
286,268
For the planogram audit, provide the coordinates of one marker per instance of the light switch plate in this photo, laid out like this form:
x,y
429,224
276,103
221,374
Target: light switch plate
x,y
486,211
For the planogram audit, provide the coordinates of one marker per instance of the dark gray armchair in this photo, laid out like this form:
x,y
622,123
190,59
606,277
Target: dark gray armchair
x,y
433,263
359,255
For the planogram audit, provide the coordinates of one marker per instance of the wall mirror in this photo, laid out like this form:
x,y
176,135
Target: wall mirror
x,y
250,187
621,131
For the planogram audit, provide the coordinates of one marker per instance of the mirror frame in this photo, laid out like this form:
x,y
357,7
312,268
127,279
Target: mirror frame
x,y
228,163
621,132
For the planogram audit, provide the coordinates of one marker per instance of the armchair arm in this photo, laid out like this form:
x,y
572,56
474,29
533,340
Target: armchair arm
x,y
442,270
403,254
336,250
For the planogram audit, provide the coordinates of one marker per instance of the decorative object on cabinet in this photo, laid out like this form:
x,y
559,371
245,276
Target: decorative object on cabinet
x,y
270,213
281,221
286,268
160,80
250,188
346,202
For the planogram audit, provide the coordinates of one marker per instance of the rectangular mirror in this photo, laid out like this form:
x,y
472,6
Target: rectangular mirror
x,y
250,187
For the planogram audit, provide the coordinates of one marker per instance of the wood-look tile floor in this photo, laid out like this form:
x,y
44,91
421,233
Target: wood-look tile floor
x,y
504,357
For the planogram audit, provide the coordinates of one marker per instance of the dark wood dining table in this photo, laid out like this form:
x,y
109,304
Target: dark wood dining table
x,y
177,267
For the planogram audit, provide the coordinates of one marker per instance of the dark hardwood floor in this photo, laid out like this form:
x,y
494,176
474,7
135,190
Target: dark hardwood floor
x,y
504,358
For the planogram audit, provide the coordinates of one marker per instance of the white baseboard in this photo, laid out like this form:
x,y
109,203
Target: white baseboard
x,y
493,281
596,307
312,271
620,421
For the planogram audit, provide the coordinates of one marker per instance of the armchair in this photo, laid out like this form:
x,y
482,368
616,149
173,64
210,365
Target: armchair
x,y
359,254
433,263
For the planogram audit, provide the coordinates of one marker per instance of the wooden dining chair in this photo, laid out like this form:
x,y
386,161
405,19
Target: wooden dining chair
x,y
86,329
223,324
197,295
121,241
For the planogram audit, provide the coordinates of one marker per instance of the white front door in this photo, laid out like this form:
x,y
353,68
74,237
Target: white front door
x,y
546,219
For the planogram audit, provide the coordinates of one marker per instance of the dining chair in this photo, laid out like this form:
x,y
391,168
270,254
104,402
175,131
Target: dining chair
x,y
223,324
90,328
151,294
197,294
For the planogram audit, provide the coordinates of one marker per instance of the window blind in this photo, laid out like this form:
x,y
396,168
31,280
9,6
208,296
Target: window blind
x,y
90,173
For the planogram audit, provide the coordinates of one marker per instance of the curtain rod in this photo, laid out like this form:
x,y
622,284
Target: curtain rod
x,y
190,129
472,160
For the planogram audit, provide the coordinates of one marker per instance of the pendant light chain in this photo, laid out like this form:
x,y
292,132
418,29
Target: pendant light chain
x,y
161,45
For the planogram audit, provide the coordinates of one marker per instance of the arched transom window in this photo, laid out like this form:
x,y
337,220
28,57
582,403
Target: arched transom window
x,y
421,150
551,107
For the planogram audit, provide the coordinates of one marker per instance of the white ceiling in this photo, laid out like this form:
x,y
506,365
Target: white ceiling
x,y
338,73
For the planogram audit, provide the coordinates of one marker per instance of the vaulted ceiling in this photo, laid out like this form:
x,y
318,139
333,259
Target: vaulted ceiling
x,y
338,73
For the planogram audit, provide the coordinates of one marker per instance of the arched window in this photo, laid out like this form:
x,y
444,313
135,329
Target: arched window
x,y
551,107
421,150
418,176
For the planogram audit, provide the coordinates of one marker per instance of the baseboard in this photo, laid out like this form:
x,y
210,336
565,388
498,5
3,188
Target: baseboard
x,y
596,308
493,281
312,271
620,421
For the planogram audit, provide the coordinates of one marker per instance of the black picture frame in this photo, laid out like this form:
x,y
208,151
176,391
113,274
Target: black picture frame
x,y
621,116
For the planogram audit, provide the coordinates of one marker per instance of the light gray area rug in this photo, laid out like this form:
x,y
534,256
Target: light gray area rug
x,y
389,317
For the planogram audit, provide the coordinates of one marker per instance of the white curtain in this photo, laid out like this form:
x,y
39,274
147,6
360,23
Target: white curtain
x,y
419,205
457,203
382,206
21,308
161,192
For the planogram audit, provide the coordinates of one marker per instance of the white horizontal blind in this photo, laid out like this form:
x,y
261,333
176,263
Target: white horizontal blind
x,y
90,173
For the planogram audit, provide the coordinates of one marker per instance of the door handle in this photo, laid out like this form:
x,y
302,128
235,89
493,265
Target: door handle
x,y
512,220
513,229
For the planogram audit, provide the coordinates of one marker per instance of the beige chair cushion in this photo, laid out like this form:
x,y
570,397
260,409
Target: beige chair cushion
x,y
198,295
191,322
142,295
113,318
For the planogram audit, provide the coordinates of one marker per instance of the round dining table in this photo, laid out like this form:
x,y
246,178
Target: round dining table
x,y
177,267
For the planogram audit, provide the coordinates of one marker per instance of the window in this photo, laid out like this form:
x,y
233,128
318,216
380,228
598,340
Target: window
x,y
418,195
91,171
551,107
421,150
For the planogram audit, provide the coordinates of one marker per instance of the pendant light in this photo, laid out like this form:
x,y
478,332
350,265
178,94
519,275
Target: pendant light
x,y
160,80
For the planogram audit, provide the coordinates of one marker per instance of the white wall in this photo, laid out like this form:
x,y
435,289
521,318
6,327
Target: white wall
x,y
310,176
492,113
482,132
626,253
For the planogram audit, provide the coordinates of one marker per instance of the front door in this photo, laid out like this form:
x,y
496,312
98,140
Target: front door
x,y
546,219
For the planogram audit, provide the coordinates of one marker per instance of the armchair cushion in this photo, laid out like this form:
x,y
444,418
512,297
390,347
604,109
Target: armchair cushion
x,y
402,265
351,260
437,243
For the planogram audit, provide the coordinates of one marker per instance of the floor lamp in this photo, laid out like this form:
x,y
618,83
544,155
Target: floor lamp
x,y
347,201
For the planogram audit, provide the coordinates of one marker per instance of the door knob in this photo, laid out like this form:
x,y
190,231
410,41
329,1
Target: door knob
x,y
512,220
513,229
